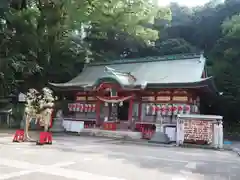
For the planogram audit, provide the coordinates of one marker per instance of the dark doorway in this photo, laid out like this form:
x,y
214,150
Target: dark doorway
x,y
123,111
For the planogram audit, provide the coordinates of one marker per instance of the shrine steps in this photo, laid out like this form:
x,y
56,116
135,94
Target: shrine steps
x,y
127,135
160,137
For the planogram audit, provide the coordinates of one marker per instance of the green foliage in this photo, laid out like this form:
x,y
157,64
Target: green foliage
x,y
215,29
231,27
174,46
122,28
42,41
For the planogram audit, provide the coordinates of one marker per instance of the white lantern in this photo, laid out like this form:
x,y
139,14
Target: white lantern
x,y
106,104
89,107
187,109
164,110
153,109
81,107
78,107
195,109
175,109
159,110
70,107
121,103
180,109
169,107
93,107
74,107
85,107
147,108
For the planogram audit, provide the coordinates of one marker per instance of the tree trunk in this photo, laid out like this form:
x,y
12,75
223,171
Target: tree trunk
x,y
27,123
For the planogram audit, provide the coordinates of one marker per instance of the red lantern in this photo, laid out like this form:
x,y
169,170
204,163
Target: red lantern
x,y
93,107
85,107
153,109
70,107
77,107
159,109
187,109
169,109
74,106
180,109
81,107
147,109
89,107
175,109
164,109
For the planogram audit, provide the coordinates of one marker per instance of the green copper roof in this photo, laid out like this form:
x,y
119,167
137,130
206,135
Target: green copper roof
x,y
149,59
178,69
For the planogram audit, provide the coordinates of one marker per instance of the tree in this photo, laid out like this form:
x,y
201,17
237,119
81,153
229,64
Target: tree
x,y
33,34
226,54
44,40
213,28
120,28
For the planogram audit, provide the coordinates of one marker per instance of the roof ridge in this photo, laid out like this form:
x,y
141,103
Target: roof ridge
x,y
149,59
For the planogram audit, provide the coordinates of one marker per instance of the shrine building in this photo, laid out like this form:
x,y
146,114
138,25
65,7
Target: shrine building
x,y
132,93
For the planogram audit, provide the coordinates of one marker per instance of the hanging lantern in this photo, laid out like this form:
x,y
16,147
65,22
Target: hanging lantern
x,y
198,99
78,107
147,109
195,108
180,109
93,107
121,103
112,104
175,109
187,109
85,107
156,108
70,108
89,107
81,107
105,104
153,109
74,107
164,110
159,110
169,107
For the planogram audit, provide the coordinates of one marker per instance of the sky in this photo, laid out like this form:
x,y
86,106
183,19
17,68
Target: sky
x,y
189,3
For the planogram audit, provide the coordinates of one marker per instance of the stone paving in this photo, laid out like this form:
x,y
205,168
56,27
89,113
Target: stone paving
x,y
85,158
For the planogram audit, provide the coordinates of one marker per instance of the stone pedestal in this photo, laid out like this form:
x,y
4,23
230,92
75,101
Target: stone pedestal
x,y
57,125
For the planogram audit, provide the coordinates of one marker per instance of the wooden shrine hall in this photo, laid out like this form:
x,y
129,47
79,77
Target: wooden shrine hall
x,y
131,93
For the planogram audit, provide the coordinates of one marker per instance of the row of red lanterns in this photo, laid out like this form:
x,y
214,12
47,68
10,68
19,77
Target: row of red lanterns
x,y
168,109
78,107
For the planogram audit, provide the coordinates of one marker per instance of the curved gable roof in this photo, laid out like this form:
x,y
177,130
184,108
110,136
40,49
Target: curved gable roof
x,y
152,70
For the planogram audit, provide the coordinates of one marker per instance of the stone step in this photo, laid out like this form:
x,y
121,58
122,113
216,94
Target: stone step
x,y
160,137
112,134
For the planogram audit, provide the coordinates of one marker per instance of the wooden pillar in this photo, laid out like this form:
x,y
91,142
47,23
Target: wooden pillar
x,y
130,111
140,110
98,104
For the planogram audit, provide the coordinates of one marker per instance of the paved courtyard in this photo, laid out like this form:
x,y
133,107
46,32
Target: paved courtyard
x,y
84,158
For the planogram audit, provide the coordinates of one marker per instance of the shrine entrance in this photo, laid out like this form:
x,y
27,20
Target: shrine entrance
x,y
123,111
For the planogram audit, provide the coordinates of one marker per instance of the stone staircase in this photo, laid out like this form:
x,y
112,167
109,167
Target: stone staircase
x,y
160,137
127,135
122,126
